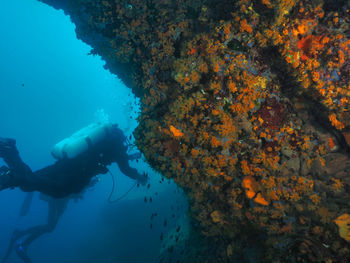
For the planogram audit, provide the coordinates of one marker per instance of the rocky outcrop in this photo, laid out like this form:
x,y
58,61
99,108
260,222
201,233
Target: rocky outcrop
x,y
245,104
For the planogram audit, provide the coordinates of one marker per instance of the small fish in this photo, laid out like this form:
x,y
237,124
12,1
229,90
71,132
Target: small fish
x,y
148,186
130,137
171,249
177,238
150,226
138,185
173,215
150,199
165,222
161,236
178,229
145,199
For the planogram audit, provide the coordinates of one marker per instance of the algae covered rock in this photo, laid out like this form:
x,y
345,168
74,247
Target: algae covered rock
x,y
245,105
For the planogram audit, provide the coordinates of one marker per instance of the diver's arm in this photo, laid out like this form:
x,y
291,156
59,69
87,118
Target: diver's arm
x,y
141,178
134,156
131,172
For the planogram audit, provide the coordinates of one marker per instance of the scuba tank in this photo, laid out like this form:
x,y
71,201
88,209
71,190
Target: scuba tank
x,y
81,140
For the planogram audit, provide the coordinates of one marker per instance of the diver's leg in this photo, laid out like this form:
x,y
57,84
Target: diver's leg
x,y
32,234
56,209
26,204
57,206
9,152
4,177
15,236
22,253
18,173
8,252
19,177
6,144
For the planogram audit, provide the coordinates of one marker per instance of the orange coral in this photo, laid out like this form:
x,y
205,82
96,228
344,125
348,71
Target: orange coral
x,y
215,216
215,142
331,143
176,132
260,199
333,119
267,3
229,108
311,45
343,223
251,190
245,26
250,186
246,170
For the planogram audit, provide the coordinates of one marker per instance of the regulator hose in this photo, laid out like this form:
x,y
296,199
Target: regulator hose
x,y
113,188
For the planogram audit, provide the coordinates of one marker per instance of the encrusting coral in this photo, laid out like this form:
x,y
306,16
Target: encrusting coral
x,y
343,222
245,104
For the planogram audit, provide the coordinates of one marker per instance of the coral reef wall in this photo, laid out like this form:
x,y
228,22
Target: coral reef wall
x,y
246,105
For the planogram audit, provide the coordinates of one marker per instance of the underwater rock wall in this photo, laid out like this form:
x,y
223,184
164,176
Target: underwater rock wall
x,y
245,104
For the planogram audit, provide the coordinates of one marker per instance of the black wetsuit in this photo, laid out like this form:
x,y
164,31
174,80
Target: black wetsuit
x,y
66,176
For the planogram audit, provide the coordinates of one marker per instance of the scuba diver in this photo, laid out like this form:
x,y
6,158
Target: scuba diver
x,y
82,156
21,239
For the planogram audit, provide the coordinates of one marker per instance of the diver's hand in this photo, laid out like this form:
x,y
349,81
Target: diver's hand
x,y
143,179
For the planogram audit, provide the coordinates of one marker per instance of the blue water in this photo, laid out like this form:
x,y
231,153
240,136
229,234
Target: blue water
x,y
50,88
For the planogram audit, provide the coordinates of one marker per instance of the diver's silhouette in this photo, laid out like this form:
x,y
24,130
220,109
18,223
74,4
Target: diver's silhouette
x,y
68,175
